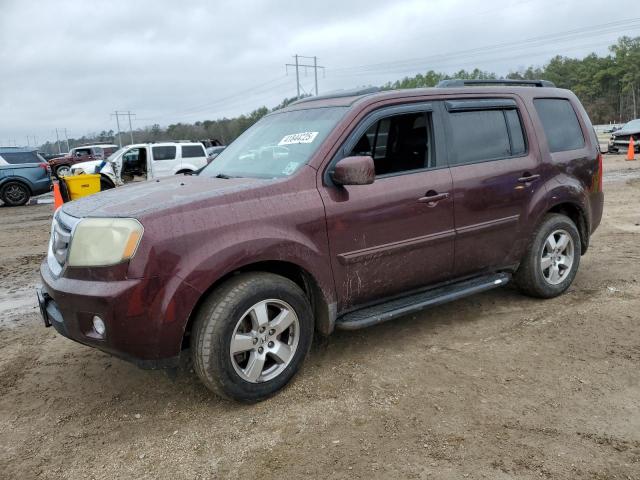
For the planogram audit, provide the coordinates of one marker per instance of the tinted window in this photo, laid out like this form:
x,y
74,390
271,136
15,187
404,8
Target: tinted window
x,y
479,136
518,146
164,153
398,143
21,157
560,124
190,151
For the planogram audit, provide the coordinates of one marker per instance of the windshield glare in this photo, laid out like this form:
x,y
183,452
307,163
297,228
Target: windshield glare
x,y
277,145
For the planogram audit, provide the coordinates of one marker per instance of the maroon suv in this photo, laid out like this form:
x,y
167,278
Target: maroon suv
x,y
336,212
61,166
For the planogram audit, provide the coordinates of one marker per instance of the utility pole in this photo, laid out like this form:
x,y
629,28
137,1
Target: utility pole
x,y
58,142
117,115
297,66
66,137
130,127
118,124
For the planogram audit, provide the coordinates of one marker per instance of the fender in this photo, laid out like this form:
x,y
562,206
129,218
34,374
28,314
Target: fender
x,y
563,189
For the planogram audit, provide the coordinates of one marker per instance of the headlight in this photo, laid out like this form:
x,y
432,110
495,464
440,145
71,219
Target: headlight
x,y
99,242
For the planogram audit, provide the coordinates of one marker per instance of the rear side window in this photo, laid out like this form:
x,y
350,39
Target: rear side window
x,y
164,153
191,151
484,135
560,124
17,158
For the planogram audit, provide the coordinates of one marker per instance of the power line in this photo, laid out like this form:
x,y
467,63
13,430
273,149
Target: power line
x,y
588,31
299,65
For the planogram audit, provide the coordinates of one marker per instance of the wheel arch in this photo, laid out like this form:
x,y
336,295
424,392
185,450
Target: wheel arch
x,y
324,311
578,216
108,179
15,179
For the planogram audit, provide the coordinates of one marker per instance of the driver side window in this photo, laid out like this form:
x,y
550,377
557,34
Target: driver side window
x,y
398,143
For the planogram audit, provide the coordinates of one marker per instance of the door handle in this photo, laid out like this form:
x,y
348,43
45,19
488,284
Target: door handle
x,y
527,178
432,198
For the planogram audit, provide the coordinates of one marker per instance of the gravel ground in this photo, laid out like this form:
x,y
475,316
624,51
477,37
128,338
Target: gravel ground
x,y
494,386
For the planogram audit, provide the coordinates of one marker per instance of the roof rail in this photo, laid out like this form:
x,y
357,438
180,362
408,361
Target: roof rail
x,y
339,94
458,82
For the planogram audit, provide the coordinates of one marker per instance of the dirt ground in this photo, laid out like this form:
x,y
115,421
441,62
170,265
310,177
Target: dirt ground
x,y
494,386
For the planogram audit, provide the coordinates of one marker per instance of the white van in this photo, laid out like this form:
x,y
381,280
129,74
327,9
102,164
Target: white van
x,y
145,161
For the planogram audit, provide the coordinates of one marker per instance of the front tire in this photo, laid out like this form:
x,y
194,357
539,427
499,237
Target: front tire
x,y
251,336
63,171
552,259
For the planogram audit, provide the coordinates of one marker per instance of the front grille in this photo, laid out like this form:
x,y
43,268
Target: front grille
x,y
61,232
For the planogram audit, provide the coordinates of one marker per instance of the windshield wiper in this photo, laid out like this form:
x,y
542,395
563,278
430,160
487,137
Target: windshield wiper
x,y
223,175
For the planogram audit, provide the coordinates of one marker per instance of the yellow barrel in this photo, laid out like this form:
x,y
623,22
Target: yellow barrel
x,y
82,185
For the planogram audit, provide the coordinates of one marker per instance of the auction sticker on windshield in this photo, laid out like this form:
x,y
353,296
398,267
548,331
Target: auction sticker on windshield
x,y
303,137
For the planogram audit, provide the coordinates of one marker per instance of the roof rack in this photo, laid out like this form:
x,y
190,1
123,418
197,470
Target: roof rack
x,y
458,82
355,92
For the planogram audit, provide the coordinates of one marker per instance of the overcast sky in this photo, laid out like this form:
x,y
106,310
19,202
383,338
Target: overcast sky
x,y
70,63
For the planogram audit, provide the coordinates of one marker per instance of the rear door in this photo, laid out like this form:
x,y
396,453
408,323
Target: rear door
x,y
193,157
164,159
387,238
496,173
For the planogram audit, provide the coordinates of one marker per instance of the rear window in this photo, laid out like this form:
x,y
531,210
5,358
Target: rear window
x,y
164,153
560,124
484,135
190,151
21,157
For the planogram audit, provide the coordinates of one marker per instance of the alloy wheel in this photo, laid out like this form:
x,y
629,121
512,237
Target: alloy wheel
x,y
16,194
557,257
264,341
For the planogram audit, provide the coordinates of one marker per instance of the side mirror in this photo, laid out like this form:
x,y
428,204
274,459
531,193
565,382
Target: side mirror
x,y
354,171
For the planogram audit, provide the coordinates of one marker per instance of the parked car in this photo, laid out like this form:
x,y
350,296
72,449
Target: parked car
x,y
378,204
620,138
213,152
145,161
23,174
61,166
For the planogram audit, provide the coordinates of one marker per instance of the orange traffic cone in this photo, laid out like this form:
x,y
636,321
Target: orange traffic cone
x,y
57,197
631,153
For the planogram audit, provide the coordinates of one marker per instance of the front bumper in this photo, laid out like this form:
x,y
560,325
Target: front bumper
x,y
144,318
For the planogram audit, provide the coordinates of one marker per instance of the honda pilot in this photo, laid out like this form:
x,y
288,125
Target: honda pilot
x,y
337,212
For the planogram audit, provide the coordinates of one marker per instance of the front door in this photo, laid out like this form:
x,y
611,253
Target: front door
x,y
396,234
496,174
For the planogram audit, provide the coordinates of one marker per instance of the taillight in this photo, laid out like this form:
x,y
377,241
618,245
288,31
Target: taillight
x,y
599,178
45,166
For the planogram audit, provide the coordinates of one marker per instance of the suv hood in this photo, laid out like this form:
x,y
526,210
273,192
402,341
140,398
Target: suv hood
x,y
138,199
88,166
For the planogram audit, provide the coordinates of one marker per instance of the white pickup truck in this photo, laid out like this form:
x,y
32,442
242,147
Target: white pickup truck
x,y
145,161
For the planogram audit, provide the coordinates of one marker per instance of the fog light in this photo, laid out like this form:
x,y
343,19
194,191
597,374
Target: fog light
x,y
99,326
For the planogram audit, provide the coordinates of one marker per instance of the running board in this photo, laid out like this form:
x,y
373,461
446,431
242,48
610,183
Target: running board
x,y
399,307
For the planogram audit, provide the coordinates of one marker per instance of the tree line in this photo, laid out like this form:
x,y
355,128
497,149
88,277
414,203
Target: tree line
x,y
608,87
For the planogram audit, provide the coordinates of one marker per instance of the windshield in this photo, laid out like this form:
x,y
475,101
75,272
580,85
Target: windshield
x,y
633,125
113,156
276,146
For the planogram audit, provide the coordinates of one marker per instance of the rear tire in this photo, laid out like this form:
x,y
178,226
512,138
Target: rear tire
x,y
15,194
267,321
552,259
